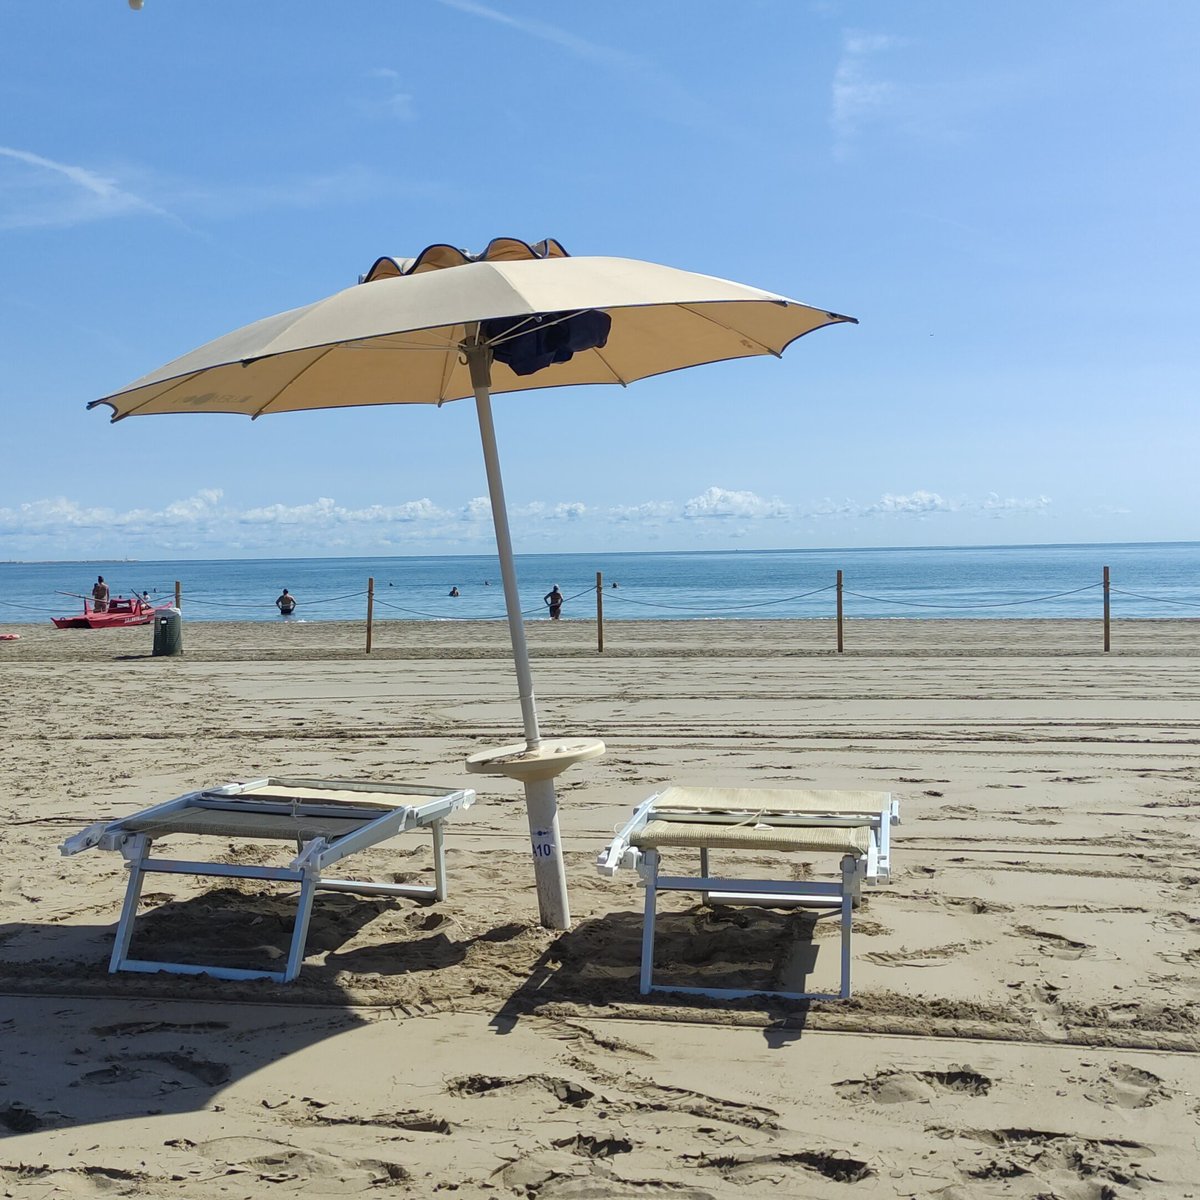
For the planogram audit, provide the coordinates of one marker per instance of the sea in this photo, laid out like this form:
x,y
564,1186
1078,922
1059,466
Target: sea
x,y
1152,579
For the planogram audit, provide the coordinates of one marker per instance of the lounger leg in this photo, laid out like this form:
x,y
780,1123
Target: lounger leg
x,y
300,933
703,871
134,854
651,877
439,859
849,879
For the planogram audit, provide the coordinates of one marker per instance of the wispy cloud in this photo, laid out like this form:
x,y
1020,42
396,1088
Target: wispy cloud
x,y
665,97
36,191
877,86
922,503
237,198
544,31
386,99
860,96
998,506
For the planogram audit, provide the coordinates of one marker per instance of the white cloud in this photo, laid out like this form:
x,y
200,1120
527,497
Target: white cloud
x,y
918,502
550,512
325,512
720,503
195,507
207,523
651,512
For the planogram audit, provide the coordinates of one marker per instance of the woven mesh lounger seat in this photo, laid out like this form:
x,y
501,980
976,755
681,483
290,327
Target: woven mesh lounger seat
x,y
788,807
852,839
769,800
852,824
327,820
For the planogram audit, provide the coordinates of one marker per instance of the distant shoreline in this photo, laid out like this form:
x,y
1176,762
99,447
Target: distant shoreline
x,y
689,642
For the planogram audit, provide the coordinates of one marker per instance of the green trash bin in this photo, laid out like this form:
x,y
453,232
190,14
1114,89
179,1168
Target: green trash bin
x,y
168,632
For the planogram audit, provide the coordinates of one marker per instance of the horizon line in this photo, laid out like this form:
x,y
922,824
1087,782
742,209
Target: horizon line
x,y
45,562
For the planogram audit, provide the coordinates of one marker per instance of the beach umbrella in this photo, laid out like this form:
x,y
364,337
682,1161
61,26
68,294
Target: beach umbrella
x,y
447,325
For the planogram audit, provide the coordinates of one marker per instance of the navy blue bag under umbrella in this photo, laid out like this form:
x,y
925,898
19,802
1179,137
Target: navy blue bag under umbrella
x,y
545,339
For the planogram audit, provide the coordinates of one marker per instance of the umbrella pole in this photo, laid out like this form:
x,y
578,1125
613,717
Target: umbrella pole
x,y
541,803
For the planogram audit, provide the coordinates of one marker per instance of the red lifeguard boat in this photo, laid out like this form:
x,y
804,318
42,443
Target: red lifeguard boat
x,y
120,612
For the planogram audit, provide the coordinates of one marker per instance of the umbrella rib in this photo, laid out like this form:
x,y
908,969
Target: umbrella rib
x,y
284,386
615,373
175,383
448,361
731,329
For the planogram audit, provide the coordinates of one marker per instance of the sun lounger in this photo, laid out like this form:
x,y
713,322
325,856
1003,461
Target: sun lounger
x,y
328,820
852,824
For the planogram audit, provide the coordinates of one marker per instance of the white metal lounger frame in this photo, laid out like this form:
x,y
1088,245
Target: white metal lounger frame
x,y
379,822
873,866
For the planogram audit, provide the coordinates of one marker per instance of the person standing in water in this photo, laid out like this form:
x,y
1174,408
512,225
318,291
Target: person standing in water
x,y
100,595
286,603
554,598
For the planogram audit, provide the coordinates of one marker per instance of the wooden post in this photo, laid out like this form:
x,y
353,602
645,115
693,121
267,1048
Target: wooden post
x,y
370,609
178,595
839,612
1107,621
599,613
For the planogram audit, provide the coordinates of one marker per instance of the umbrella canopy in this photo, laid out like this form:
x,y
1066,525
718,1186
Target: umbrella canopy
x,y
448,324
399,341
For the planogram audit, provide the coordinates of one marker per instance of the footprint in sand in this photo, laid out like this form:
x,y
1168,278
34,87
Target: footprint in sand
x,y
782,1172
573,1095
16,1118
973,904
1054,944
594,1145
933,956
1057,1163
270,1161
1126,1086
905,1087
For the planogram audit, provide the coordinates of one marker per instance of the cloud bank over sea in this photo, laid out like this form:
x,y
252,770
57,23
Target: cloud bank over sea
x,y
208,523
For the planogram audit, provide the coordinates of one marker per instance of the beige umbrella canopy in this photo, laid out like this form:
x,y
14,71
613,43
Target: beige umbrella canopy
x,y
448,324
400,340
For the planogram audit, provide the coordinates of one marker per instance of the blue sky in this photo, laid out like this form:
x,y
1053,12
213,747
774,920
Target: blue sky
x,y
1004,195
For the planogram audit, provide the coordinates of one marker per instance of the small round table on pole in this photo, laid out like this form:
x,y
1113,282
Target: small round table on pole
x,y
537,770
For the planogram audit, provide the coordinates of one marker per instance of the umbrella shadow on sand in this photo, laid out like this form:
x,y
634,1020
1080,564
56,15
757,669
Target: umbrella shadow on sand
x,y
596,965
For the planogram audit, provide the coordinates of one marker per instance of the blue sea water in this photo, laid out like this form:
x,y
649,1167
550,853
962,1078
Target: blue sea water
x,y
1159,579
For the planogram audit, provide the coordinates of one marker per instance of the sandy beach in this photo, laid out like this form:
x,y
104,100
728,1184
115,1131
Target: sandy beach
x,y
1026,1016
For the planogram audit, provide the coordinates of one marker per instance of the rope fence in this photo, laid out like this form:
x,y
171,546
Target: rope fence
x,y
210,605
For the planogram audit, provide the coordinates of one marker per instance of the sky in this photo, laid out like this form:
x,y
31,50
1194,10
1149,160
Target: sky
x,y
1005,196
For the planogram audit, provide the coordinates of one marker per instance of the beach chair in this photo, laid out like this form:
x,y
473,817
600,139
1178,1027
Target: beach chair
x,y
327,819
855,825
